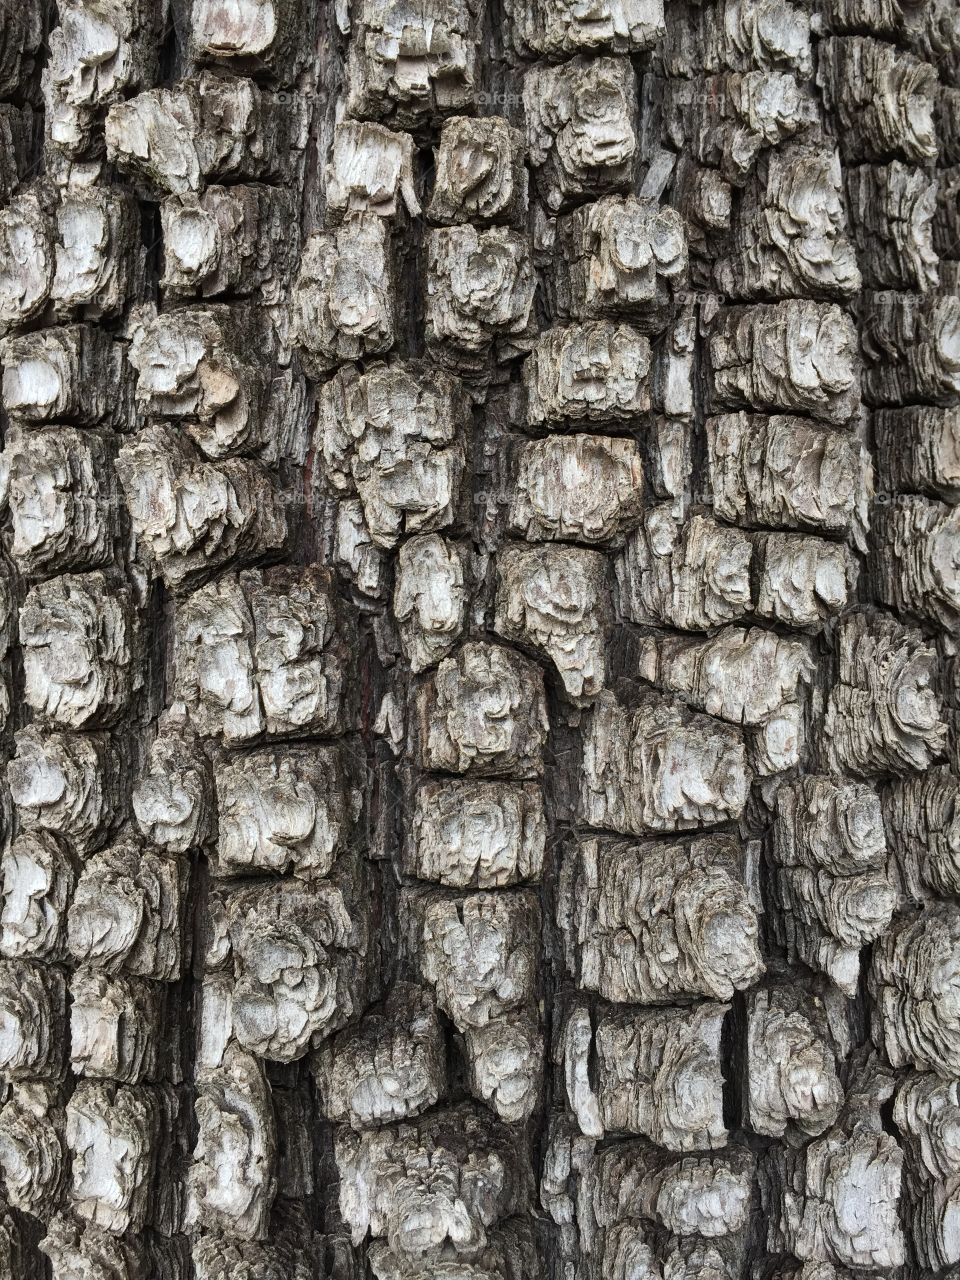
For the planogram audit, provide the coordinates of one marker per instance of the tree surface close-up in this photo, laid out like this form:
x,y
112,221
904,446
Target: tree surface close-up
x,y
479,646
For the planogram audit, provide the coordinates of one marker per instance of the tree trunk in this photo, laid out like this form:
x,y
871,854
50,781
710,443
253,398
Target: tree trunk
x,y
480,589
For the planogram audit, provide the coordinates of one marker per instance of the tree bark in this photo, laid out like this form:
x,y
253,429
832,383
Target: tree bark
x,y
479,603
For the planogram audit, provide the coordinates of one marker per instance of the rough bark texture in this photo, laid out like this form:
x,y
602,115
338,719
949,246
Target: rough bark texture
x,y
479,606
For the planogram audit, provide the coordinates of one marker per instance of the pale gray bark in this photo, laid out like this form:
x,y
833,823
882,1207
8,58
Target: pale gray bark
x,y
479,605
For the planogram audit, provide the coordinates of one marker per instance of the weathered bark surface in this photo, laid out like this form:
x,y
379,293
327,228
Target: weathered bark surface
x,y
479,611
